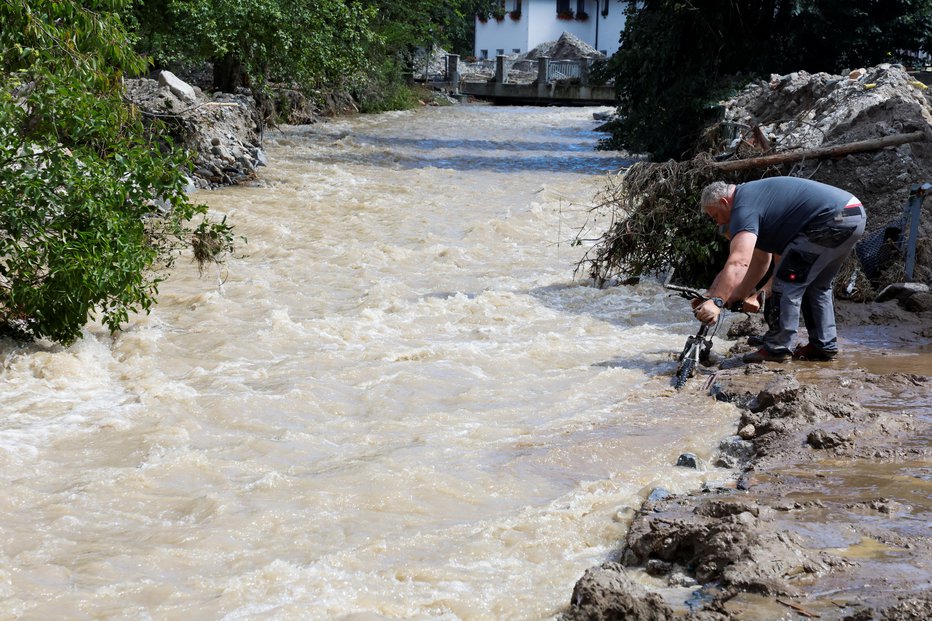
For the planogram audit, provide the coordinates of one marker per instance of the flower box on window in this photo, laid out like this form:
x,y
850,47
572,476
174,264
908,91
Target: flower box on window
x,y
582,16
565,14
515,15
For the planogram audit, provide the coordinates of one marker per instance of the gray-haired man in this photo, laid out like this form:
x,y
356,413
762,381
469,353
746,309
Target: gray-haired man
x,y
812,227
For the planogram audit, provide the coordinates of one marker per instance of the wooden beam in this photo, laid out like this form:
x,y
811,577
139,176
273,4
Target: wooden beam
x,y
840,150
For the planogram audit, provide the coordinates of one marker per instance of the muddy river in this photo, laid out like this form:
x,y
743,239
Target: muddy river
x,y
398,404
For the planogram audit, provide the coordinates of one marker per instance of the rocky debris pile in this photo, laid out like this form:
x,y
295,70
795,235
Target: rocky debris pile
x,y
224,131
805,111
430,64
567,47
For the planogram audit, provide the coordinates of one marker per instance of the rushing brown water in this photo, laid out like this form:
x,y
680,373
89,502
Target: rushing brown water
x,y
399,403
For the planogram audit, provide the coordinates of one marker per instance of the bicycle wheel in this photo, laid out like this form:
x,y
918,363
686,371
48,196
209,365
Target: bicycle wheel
x,y
685,371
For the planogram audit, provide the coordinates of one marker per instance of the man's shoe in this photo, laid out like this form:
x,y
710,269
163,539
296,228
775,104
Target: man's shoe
x,y
812,353
755,340
764,355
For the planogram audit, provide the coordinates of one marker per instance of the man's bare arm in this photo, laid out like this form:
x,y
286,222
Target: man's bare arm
x,y
740,258
760,261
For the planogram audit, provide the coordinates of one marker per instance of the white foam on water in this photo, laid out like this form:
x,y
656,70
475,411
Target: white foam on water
x,y
398,403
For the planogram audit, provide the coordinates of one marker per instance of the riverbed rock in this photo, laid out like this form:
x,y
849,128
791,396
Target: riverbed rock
x,y
920,302
689,460
734,451
178,87
608,593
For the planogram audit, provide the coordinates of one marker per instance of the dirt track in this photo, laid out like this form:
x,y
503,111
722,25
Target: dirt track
x,y
829,513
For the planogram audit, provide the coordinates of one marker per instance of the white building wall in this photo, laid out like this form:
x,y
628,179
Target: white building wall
x,y
539,24
612,25
508,35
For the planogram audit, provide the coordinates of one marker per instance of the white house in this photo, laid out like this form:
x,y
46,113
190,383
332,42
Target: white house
x,y
521,25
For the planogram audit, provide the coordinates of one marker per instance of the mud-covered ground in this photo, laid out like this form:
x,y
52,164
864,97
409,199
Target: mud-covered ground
x,y
829,510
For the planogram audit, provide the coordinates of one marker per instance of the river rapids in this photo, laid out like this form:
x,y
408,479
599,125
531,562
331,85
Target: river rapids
x,y
394,402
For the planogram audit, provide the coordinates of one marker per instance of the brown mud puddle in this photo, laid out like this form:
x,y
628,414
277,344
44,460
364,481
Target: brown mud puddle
x,y
830,516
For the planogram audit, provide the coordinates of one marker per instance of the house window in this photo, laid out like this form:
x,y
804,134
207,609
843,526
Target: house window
x,y
484,54
500,51
563,6
516,50
580,7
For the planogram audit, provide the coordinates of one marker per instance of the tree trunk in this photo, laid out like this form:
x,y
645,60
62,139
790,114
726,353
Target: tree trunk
x,y
228,73
840,150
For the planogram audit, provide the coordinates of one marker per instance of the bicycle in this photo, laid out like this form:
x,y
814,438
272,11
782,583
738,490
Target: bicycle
x,y
698,347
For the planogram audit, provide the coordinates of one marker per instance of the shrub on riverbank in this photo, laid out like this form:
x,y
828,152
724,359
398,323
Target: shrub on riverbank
x,y
93,208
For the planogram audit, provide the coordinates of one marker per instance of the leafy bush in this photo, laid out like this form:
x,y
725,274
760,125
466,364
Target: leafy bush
x,y
383,89
93,209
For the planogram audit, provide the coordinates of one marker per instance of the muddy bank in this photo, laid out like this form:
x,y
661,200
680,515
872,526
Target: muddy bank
x,y
827,510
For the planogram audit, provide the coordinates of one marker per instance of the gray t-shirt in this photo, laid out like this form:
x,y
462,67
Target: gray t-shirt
x,y
778,208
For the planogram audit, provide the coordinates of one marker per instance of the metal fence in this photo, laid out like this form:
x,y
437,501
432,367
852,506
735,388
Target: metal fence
x,y
564,70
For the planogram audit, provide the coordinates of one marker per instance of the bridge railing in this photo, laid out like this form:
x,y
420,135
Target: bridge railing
x,y
509,70
564,70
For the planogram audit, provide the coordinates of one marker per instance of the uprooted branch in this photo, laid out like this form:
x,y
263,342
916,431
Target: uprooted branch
x,y
840,150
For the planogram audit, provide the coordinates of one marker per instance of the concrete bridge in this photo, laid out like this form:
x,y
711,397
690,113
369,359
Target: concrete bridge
x,y
557,83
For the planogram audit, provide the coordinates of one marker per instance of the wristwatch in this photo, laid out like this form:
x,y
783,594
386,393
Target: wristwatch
x,y
718,302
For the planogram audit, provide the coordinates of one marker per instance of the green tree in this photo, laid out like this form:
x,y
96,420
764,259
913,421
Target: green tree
x,y
251,42
92,207
832,35
406,29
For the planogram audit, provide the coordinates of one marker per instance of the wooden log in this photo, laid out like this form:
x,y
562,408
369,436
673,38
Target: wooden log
x,y
840,150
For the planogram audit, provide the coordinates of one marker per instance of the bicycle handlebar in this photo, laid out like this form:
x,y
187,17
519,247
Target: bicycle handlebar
x,y
686,292
692,294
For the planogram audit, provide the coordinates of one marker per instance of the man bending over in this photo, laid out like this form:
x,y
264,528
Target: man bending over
x,y
812,227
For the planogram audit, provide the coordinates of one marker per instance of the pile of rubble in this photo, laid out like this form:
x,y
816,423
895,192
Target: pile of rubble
x,y
223,132
807,111
430,64
567,47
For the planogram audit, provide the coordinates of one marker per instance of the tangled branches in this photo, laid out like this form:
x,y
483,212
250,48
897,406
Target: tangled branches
x,y
655,223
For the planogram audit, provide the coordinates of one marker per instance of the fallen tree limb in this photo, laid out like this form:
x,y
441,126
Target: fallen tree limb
x,y
820,153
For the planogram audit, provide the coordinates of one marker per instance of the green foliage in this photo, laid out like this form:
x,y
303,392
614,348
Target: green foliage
x,y
405,25
364,47
252,42
404,30
91,209
679,57
381,92
832,35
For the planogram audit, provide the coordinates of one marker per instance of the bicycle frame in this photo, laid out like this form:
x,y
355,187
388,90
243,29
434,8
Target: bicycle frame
x,y
698,347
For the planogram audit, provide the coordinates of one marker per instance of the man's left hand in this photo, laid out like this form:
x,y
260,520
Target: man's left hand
x,y
707,312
